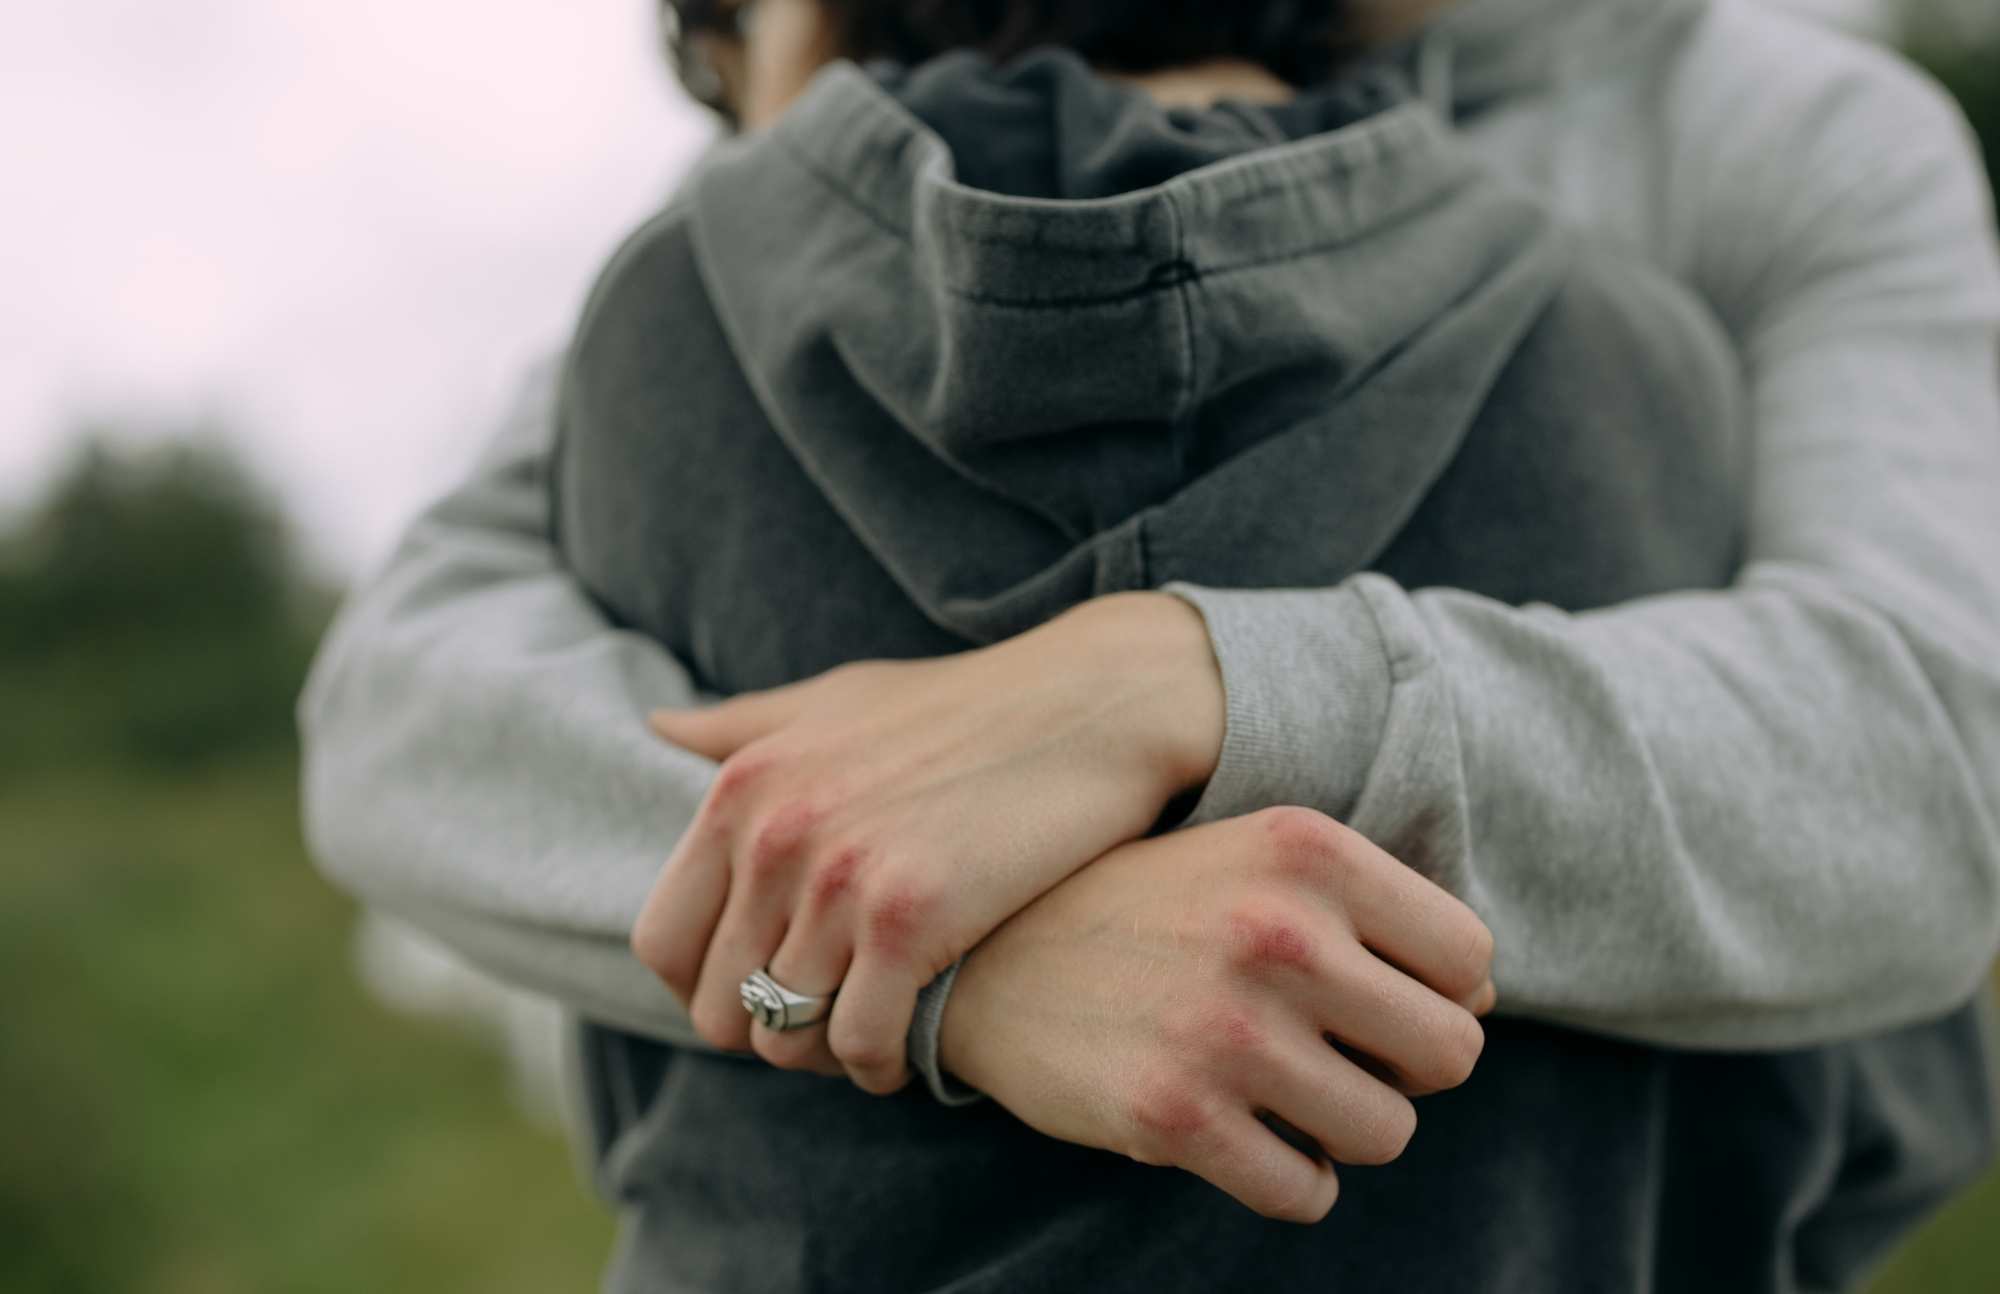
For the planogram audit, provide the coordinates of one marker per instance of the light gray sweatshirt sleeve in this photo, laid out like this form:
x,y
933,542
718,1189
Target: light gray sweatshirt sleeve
x,y
1758,817
476,754
477,760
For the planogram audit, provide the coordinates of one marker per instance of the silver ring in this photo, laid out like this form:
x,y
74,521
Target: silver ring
x,y
776,1007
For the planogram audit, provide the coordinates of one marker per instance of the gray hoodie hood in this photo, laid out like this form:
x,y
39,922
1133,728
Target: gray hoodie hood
x,y
1079,383
977,343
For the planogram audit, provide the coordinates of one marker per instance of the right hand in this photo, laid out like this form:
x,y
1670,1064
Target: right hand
x,y
1164,998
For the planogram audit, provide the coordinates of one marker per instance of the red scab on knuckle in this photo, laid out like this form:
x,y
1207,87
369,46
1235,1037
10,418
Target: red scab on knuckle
x,y
1262,938
1236,1033
1167,1114
895,917
836,880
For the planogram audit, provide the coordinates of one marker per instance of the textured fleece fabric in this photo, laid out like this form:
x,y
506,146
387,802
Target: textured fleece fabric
x,y
1264,367
1760,817
1317,339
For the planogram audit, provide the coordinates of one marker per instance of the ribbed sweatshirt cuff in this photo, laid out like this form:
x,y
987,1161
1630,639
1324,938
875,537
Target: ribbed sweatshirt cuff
x,y
1308,681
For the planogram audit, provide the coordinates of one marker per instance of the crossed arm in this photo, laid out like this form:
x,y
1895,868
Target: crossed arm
x,y
1759,817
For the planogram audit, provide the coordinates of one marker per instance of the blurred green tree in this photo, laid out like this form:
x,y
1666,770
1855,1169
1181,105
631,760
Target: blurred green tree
x,y
1972,74
1959,41
150,609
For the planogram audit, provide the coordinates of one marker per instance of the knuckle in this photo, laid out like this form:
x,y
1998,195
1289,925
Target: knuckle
x,y
658,954
834,881
1289,1201
778,842
1459,1049
1220,1031
895,913
739,775
1167,1112
1464,959
1475,956
1261,937
860,1052
649,947
1302,844
1383,1133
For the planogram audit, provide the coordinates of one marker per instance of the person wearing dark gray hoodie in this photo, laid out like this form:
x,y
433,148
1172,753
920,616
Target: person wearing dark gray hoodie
x,y
954,348
1430,425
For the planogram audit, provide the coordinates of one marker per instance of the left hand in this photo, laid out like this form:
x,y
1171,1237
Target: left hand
x,y
870,826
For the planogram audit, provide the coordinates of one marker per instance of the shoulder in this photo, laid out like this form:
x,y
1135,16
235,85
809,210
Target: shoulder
x,y
649,273
1796,151
1754,64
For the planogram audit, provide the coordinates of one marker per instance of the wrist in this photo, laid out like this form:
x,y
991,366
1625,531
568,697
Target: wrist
x,y
1159,645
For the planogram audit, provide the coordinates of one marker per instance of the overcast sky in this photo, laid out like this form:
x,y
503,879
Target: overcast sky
x,y
345,225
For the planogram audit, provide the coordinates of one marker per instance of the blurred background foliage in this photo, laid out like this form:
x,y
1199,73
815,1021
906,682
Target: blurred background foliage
x,y
200,1095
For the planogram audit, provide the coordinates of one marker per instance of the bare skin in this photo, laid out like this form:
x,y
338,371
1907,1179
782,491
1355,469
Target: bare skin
x,y
866,829
1147,996
1167,996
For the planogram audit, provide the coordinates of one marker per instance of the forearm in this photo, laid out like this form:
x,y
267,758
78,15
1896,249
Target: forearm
x,y
1756,817
1737,819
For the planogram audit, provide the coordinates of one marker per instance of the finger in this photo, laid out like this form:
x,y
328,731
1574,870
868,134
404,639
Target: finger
x,y
1418,925
719,731
813,959
751,928
1354,1116
674,927
1482,1001
1236,1153
1428,1042
871,1023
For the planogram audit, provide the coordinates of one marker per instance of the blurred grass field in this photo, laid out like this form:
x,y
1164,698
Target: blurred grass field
x,y
200,1097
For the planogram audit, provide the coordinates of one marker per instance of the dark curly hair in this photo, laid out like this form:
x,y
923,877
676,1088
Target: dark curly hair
x,y
1299,41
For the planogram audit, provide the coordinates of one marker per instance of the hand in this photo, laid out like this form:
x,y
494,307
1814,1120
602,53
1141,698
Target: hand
x,y
869,826
1163,999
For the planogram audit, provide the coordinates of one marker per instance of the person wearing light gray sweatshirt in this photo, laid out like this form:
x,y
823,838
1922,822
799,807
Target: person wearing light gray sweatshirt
x,y
1753,818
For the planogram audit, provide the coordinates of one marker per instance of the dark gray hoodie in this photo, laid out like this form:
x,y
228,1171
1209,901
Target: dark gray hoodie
x,y
948,351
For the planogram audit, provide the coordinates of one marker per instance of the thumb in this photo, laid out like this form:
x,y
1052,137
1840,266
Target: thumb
x,y
719,731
